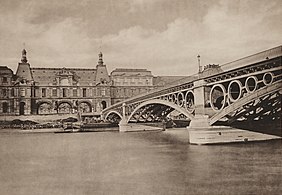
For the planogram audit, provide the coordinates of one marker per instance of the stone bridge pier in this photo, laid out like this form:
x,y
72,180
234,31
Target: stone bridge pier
x,y
123,124
201,119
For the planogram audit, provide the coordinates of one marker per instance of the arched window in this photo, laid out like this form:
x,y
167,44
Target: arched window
x,y
22,105
104,104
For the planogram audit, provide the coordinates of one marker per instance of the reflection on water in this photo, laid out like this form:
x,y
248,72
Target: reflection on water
x,y
135,163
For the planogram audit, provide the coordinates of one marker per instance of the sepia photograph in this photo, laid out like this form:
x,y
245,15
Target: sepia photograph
x,y
140,97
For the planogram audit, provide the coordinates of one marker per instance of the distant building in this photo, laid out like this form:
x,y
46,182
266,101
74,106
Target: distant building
x,y
127,83
211,69
6,77
70,90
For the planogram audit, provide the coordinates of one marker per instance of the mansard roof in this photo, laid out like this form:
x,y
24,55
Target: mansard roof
x,y
164,80
131,72
45,76
4,70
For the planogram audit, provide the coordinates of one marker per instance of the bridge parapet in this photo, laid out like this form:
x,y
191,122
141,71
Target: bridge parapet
x,y
253,59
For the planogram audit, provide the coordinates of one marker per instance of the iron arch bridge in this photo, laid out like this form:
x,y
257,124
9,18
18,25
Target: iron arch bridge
x,y
248,89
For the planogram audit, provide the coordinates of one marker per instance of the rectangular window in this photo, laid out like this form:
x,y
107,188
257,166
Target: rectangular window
x,y
103,92
43,92
16,92
4,92
5,107
36,92
22,92
12,92
84,92
54,92
74,92
65,92
12,107
5,80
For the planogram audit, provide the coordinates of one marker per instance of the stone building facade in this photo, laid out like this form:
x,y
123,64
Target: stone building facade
x,y
6,78
127,83
42,91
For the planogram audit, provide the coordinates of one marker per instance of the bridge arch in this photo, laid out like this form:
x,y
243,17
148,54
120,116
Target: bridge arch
x,y
162,102
115,113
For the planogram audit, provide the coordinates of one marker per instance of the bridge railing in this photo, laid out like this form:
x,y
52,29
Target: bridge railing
x,y
252,59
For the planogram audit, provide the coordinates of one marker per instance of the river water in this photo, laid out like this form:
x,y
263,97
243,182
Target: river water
x,y
135,163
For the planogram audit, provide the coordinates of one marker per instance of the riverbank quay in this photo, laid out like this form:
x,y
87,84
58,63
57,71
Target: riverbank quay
x,y
44,118
35,121
23,131
55,130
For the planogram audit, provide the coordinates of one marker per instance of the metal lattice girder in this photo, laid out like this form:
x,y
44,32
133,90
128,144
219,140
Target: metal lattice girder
x,y
258,109
165,103
140,113
266,91
150,112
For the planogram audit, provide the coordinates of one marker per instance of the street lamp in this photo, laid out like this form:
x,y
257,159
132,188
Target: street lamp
x,y
199,63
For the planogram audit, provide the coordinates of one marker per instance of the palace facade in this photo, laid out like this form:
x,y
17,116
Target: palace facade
x,y
40,91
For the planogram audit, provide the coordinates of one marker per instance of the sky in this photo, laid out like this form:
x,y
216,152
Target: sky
x,y
164,36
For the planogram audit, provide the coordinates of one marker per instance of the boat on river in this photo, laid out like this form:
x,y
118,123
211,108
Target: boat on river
x,y
70,127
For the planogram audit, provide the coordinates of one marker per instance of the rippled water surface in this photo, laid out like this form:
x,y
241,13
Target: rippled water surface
x,y
135,163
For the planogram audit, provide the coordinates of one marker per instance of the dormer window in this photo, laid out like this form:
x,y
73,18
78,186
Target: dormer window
x,y
64,82
54,82
66,77
103,81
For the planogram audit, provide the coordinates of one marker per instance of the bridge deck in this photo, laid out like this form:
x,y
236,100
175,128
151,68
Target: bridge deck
x,y
237,64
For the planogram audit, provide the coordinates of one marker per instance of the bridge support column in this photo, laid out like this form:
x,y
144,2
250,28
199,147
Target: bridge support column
x,y
201,119
200,122
123,124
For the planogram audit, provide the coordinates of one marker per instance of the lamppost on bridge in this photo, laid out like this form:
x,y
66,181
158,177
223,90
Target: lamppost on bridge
x,y
199,63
